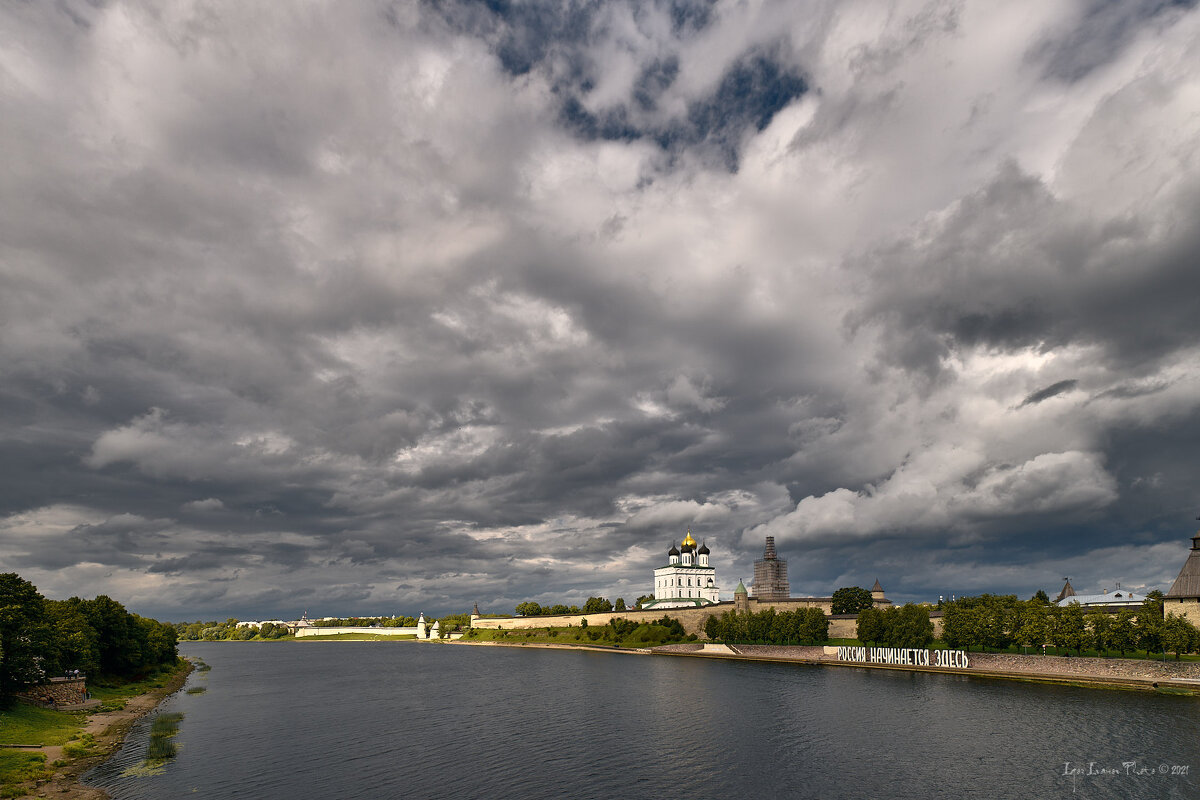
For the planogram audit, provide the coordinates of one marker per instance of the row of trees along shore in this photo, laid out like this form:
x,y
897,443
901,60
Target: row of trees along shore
x,y
802,626
1001,621
41,638
593,605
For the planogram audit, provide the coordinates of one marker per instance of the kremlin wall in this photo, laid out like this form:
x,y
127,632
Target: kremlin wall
x,y
693,610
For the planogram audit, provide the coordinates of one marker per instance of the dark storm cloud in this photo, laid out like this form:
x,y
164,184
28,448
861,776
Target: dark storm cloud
x,y
1052,390
374,309
1013,267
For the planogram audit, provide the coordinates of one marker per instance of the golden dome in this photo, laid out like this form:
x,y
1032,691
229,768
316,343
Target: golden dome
x,y
689,541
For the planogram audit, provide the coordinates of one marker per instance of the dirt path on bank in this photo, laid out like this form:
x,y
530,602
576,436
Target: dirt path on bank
x,y
109,729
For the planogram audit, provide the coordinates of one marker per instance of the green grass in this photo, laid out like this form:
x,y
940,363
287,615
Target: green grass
x,y
17,767
24,724
113,694
197,690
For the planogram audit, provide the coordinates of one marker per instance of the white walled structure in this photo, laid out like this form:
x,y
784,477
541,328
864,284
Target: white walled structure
x,y
419,630
687,580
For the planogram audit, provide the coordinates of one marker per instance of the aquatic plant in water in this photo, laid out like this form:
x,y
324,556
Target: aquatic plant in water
x,y
161,748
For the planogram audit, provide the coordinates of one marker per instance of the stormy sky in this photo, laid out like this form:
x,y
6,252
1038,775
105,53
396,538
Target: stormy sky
x,y
363,308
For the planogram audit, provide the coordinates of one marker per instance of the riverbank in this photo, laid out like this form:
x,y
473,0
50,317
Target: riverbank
x,y
104,732
1107,673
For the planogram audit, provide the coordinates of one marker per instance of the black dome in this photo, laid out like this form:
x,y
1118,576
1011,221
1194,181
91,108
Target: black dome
x,y
703,549
674,551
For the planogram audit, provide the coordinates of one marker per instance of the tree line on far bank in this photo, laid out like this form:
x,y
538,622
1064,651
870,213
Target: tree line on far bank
x,y
41,638
232,630
1001,621
593,605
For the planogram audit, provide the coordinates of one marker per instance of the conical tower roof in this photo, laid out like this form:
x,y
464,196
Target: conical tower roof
x,y
741,588
877,587
1188,582
1067,591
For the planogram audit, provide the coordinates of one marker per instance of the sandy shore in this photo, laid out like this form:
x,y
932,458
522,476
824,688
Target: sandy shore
x,y
109,729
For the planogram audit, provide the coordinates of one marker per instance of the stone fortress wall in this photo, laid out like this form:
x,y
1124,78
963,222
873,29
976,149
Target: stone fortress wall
x,y
842,626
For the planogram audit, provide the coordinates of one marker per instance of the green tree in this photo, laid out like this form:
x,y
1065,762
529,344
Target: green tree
x,y
814,626
1150,625
850,600
1178,635
25,634
870,625
1123,634
1032,628
911,627
1072,628
620,604
529,609
76,642
597,605
1040,597
1099,630
641,601
959,625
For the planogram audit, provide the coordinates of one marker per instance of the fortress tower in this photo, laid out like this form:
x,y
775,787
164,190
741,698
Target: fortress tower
x,y
1183,598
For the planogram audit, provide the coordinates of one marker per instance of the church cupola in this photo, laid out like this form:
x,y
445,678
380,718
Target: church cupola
x,y
702,555
673,554
688,549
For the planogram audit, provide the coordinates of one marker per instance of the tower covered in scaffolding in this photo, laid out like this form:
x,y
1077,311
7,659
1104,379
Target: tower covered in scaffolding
x,y
770,575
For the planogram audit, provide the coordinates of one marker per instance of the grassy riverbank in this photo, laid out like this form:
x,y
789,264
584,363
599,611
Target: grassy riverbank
x,y
68,743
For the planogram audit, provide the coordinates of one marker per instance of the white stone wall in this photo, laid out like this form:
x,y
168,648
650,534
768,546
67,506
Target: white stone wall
x,y
333,631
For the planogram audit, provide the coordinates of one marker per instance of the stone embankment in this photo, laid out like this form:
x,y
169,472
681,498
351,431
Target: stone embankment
x,y
1122,672
1070,666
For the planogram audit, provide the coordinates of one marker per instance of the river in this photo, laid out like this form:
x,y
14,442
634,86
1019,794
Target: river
x,y
371,720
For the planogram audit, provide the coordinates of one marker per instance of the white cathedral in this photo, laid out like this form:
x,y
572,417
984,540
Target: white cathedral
x,y
687,581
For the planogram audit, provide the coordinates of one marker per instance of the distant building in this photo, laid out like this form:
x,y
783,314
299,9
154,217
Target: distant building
x,y
1183,598
687,581
770,575
1109,597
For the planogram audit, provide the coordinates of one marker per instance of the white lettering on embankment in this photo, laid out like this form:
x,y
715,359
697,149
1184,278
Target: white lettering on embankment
x,y
903,656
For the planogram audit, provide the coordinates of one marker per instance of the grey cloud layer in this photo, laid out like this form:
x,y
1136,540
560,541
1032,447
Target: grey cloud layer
x,y
399,307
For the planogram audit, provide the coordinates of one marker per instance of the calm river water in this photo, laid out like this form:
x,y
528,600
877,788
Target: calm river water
x,y
367,720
